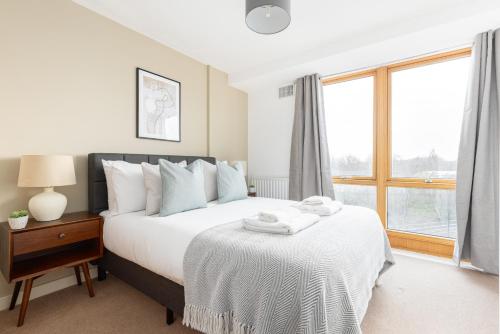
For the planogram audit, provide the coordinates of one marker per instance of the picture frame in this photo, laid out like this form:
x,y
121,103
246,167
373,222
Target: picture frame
x,y
158,107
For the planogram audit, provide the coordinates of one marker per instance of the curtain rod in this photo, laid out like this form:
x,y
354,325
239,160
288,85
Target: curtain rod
x,y
359,69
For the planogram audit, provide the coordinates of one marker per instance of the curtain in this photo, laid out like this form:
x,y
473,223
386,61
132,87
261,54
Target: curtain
x,y
309,159
477,169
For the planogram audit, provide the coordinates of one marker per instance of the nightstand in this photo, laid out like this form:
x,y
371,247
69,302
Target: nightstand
x,y
42,247
252,194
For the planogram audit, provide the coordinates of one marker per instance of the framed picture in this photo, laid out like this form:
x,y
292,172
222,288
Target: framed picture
x,y
158,107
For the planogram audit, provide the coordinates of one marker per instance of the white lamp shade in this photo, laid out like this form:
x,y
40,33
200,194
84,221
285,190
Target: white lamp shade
x,y
243,164
46,171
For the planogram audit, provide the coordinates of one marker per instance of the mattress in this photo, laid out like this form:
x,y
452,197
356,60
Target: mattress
x,y
159,243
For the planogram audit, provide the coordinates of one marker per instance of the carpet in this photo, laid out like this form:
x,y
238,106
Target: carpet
x,y
416,296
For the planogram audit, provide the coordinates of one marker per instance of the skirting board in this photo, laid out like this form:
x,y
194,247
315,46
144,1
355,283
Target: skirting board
x,y
436,259
45,289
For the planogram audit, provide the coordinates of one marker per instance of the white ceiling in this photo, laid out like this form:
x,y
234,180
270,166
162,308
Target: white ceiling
x,y
214,32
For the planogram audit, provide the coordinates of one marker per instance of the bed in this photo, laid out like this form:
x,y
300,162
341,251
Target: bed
x,y
148,251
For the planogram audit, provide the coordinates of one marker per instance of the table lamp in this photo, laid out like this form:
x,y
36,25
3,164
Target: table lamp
x,y
47,172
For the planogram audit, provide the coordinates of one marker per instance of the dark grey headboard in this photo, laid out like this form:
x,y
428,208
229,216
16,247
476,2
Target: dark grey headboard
x,y
98,193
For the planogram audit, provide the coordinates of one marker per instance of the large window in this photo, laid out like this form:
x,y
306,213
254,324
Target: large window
x,y
393,134
427,103
351,130
350,122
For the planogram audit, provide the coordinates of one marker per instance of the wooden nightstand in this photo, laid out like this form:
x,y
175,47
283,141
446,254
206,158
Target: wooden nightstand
x,y
42,247
252,194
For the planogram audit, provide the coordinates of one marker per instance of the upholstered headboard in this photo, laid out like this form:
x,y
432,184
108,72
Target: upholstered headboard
x,y
98,193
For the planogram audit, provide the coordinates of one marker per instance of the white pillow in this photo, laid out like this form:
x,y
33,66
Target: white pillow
x,y
126,191
152,183
210,174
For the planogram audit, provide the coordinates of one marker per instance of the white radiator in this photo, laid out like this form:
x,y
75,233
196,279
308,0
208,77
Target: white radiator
x,y
271,187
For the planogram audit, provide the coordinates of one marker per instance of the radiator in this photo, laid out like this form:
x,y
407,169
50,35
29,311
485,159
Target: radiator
x,y
271,187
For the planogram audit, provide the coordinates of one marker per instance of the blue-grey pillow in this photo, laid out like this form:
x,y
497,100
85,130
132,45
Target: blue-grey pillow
x,y
231,184
183,188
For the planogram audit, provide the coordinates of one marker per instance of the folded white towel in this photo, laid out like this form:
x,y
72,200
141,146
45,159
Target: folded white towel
x,y
291,226
317,200
322,210
273,216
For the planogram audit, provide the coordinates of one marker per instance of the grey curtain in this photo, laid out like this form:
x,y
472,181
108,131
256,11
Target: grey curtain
x,y
309,159
477,170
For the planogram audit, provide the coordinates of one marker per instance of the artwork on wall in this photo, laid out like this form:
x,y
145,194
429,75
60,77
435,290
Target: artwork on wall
x,y
158,107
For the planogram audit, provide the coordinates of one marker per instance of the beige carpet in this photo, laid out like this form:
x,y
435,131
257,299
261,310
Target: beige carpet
x,y
417,296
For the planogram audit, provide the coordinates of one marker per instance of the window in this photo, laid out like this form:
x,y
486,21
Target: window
x,y
425,106
424,211
427,103
350,126
350,109
393,134
356,195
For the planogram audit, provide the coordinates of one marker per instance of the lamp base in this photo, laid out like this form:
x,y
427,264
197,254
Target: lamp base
x,y
47,205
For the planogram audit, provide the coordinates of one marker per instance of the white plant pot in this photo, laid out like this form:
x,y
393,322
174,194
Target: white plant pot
x,y
18,223
251,189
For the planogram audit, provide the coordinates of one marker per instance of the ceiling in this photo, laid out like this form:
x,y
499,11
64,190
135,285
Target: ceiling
x,y
214,32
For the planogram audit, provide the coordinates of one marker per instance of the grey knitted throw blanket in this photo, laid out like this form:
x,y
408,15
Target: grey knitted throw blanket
x,y
319,280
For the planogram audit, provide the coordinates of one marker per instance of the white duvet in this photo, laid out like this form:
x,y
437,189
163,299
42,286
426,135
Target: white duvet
x,y
159,243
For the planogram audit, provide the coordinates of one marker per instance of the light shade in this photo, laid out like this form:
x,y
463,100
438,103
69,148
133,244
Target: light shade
x,y
267,16
46,171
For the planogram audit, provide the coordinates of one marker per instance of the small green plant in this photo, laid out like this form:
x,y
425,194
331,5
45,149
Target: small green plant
x,y
18,213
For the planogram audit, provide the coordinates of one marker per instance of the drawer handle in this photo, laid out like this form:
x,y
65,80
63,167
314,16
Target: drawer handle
x,y
62,235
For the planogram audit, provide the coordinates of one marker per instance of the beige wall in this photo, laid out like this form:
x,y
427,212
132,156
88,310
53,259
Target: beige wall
x,y
67,85
227,118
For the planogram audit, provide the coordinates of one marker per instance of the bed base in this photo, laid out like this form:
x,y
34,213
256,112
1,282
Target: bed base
x,y
161,289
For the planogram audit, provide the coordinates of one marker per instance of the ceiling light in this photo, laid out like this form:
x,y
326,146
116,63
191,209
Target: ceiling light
x,y
267,16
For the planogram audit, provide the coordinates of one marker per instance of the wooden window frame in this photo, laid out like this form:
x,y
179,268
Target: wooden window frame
x,y
406,65
382,153
361,180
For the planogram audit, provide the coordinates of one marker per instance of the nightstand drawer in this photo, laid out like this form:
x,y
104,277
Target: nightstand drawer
x,y
45,238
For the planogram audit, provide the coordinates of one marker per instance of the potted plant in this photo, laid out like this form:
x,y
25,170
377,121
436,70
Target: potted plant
x,y
251,188
18,219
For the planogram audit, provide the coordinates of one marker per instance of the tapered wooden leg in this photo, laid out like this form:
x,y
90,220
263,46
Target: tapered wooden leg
x,y
170,316
101,273
15,294
88,281
26,298
77,274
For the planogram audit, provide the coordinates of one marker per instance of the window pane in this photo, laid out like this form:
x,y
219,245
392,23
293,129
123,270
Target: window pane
x,y
356,195
425,211
349,125
427,107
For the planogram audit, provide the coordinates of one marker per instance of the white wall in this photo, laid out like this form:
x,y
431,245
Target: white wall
x,y
270,118
269,132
